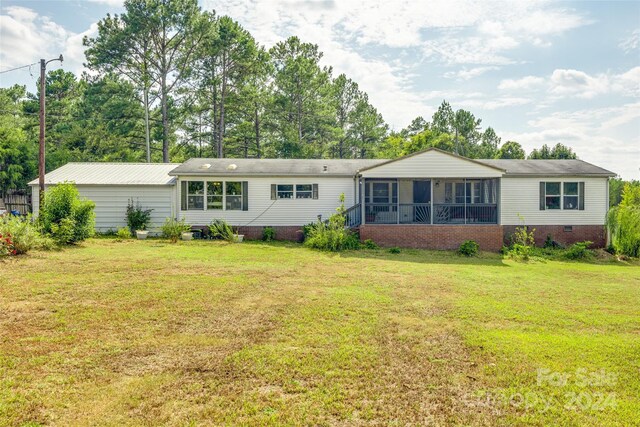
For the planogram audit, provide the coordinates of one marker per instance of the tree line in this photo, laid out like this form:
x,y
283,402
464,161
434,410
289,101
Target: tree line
x,y
167,81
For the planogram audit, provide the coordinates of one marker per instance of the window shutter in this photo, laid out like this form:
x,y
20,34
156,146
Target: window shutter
x,y
245,195
315,191
273,192
183,195
581,197
542,194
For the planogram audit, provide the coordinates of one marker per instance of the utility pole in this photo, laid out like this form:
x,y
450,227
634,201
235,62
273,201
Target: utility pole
x,y
43,69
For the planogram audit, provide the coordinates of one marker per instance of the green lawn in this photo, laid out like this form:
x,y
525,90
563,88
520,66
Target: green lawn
x,y
149,333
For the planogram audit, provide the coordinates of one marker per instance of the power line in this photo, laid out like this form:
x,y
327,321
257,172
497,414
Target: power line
x,y
18,68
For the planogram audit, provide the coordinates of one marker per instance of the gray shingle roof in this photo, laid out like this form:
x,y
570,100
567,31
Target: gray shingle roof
x,y
111,174
547,167
273,167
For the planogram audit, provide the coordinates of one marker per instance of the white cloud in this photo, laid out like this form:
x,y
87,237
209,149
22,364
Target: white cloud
x,y
388,82
524,83
582,85
631,43
26,37
597,135
494,103
113,3
469,73
577,83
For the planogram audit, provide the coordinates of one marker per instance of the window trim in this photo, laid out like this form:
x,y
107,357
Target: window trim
x,y
241,196
292,191
221,195
312,192
577,195
547,195
184,204
562,195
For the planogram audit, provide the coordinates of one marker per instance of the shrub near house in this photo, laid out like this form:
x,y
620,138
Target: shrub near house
x,y
624,222
65,216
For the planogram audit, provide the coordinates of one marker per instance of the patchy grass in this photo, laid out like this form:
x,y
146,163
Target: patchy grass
x,y
148,333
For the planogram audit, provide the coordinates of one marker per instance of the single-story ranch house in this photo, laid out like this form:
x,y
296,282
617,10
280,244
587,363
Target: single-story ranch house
x,y
429,199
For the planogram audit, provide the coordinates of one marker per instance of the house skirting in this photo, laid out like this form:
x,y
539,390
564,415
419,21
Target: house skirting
x,y
565,235
489,237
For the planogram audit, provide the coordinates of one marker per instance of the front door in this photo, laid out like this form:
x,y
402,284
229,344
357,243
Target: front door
x,y
421,198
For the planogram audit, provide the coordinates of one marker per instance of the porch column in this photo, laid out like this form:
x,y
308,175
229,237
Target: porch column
x,y
362,200
431,201
498,200
397,200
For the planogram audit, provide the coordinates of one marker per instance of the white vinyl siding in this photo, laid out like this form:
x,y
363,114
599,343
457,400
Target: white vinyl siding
x,y
521,196
263,211
111,203
432,164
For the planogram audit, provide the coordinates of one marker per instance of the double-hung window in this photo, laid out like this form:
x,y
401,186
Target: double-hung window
x,y
233,195
552,195
562,195
215,194
192,195
570,195
294,191
304,191
285,191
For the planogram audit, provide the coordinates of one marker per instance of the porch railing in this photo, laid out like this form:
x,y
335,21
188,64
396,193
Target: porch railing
x,y
421,213
353,216
460,213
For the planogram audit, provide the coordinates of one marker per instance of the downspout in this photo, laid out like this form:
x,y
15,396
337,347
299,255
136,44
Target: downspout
x,y
608,206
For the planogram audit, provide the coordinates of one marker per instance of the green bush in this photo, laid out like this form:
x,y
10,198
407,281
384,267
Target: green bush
x,y
172,229
394,250
221,230
522,243
308,229
123,233
137,218
24,233
65,216
549,243
331,235
520,252
63,231
623,222
579,250
469,248
370,244
268,234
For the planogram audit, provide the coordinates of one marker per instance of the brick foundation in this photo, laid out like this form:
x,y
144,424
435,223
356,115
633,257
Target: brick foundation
x,y
579,233
489,237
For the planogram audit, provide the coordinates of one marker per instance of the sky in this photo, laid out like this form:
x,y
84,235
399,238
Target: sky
x,y
538,72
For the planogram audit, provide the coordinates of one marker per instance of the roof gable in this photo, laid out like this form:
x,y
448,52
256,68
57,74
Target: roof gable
x,y
432,163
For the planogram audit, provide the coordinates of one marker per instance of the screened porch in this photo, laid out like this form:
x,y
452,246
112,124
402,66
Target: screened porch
x,y
430,201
